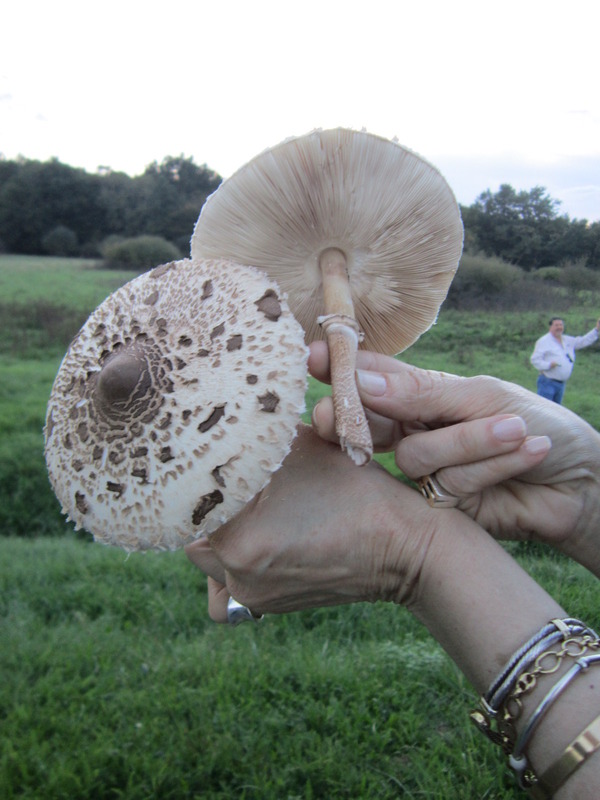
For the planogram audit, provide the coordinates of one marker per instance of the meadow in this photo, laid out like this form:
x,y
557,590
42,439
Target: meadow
x,y
115,684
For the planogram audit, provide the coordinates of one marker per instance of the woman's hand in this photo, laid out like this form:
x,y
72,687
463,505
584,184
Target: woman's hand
x,y
323,532
326,532
488,441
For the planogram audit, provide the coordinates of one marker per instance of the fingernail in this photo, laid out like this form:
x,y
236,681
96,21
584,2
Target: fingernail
x,y
314,417
371,382
510,429
538,444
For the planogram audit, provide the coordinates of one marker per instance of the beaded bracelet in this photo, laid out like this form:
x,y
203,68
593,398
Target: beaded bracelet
x,y
575,754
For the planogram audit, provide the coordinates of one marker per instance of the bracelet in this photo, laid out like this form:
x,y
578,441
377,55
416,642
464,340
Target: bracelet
x,y
553,631
545,664
532,651
573,757
517,760
502,705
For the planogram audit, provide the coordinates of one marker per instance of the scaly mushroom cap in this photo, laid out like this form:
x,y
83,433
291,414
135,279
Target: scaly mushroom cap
x,y
175,403
388,210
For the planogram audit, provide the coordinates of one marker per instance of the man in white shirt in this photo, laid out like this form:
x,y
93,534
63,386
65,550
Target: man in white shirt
x,y
554,357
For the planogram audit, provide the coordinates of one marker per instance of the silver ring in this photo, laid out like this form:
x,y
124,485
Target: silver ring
x,y
237,613
434,494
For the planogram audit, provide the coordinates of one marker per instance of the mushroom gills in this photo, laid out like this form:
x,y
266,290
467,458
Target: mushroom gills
x,y
363,235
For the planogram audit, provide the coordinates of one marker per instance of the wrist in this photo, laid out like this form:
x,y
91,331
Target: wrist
x,y
403,527
497,607
582,542
406,555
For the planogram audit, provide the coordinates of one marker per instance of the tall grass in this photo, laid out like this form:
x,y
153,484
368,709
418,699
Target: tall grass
x,y
113,682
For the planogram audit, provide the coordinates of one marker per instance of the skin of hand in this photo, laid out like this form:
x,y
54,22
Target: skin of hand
x,y
325,532
301,543
524,467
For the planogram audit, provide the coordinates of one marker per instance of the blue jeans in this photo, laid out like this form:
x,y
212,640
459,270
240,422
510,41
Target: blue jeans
x,y
551,389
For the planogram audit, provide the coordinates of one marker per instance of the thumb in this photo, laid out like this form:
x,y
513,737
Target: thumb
x,y
202,555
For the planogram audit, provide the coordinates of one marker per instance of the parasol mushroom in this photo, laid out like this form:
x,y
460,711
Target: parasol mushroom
x,y
362,234
175,403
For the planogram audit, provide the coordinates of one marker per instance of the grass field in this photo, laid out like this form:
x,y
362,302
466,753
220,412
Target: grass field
x,y
114,683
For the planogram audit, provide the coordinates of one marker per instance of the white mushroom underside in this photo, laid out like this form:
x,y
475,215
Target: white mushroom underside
x,y
388,210
227,396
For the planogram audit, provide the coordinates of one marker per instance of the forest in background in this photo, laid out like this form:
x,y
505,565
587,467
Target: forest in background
x,y
51,208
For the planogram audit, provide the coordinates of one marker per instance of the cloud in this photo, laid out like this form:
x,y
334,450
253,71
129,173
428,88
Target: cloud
x,y
574,180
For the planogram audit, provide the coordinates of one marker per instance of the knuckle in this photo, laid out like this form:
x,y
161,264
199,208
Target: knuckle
x,y
412,456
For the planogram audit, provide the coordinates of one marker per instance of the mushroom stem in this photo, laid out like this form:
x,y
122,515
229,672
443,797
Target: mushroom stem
x,y
342,333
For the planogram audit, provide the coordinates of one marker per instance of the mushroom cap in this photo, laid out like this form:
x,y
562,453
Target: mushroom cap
x,y
175,403
388,210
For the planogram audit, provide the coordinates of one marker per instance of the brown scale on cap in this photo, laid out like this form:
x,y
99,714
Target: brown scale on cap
x,y
156,431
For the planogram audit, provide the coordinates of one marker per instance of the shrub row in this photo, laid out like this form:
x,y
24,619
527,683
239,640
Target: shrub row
x,y
139,253
490,283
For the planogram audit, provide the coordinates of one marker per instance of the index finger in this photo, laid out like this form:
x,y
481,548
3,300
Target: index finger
x,y
411,394
318,361
406,393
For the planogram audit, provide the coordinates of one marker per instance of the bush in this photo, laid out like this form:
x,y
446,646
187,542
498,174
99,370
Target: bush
x,y
485,281
60,241
550,274
485,275
139,253
575,276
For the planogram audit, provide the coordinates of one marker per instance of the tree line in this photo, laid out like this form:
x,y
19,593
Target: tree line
x,y
53,208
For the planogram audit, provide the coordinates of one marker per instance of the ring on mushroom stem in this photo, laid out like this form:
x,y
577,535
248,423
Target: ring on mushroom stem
x,y
176,402
351,225
237,613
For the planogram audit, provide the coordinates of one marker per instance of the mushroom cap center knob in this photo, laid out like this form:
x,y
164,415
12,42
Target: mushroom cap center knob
x,y
124,376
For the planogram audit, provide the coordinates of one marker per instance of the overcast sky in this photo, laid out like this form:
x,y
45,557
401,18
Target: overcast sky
x,y
490,92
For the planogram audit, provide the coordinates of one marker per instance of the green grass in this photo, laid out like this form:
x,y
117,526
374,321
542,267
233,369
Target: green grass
x,y
115,684
500,344
44,301
70,283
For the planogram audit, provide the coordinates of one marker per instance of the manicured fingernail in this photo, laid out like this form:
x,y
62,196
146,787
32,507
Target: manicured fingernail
x,y
371,382
510,429
314,417
538,444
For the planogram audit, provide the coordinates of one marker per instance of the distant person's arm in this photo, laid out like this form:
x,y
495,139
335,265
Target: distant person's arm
x,y
539,358
589,338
